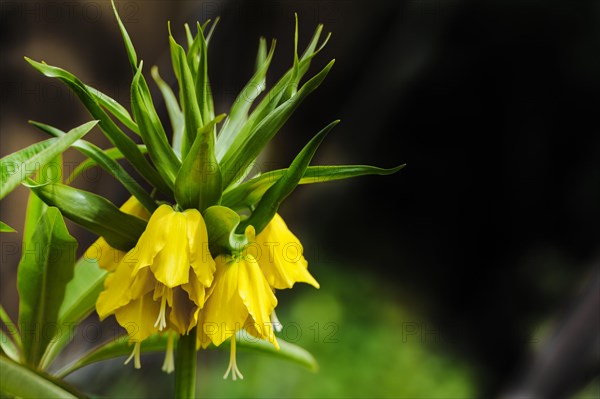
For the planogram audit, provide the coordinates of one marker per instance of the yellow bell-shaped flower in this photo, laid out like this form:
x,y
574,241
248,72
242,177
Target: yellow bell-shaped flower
x,y
108,257
281,256
240,299
160,285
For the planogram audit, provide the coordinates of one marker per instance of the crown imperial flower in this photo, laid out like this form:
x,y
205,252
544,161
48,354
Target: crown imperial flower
x,y
161,283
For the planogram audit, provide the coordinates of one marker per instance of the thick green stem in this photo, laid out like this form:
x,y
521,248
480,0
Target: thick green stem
x,y
185,366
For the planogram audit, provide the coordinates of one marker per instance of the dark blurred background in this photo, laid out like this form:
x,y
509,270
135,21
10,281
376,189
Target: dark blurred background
x,y
473,272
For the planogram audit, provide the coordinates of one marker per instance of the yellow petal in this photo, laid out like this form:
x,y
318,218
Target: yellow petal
x,y
152,240
116,292
257,296
224,311
195,290
200,257
134,207
138,317
171,265
281,258
108,257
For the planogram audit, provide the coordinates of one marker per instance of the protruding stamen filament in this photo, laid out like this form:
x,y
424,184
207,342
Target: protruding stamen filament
x,y
161,321
235,372
169,363
135,354
275,322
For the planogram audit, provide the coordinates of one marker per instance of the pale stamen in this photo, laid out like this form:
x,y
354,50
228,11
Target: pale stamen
x,y
161,321
169,363
235,372
135,354
275,322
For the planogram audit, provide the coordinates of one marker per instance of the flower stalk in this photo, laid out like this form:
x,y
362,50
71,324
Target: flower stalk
x,y
185,366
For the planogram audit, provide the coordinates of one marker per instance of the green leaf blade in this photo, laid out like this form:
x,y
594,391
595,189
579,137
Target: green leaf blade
x,y
187,96
247,194
93,212
22,382
199,183
269,203
116,136
44,271
108,164
246,147
4,228
152,131
17,166
80,298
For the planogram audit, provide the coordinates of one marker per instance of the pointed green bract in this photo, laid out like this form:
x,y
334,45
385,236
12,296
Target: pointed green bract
x,y
113,153
114,108
119,139
245,148
199,183
152,131
4,228
17,166
269,203
239,110
107,163
93,212
131,54
44,271
175,114
247,194
187,96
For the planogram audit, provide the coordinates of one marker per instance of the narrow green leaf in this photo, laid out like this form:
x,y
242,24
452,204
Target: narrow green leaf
x,y
199,183
269,203
93,212
22,382
175,114
152,131
275,96
247,194
188,35
201,81
11,341
158,343
287,350
246,148
119,139
110,350
261,54
45,269
187,96
4,228
116,109
239,110
80,300
113,153
131,55
17,166
212,29
8,346
107,163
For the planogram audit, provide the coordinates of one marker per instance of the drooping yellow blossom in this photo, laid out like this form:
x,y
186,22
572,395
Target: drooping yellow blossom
x,y
108,257
240,299
160,285
281,256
